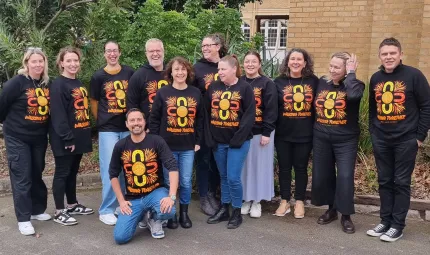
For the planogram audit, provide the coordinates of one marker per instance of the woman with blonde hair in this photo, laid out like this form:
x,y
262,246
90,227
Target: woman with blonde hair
x,y
69,133
24,112
335,140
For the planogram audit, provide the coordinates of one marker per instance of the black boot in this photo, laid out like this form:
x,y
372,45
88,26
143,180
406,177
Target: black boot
x,y
184,220
347,225
235,219
222,215
173,223
213,201
329,216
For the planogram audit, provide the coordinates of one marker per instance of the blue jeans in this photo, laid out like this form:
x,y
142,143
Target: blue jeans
x,y
107,141
230,162
126,224
185,161
207,175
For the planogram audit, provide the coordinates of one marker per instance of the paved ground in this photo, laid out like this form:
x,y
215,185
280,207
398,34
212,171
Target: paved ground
x,y
267,235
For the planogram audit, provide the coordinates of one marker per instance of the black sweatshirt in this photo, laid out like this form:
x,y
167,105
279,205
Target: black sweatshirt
x,y
296,113
337,106
399,104
177,116
230,113
110,91
142,164
205,72
266,109
24,108
70,117
142,88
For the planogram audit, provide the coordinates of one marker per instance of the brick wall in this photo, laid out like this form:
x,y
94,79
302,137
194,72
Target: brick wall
x,y
326,26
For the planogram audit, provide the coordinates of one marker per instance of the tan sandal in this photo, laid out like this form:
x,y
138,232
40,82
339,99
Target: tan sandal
x,y
283,209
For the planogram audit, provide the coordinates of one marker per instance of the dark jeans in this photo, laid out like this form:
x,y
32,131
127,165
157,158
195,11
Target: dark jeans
x,y
293,155
328,185
395,161
207,174
66,170
26,164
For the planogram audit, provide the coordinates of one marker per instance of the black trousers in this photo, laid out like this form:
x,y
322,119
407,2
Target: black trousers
x,y
64,183
26,161
395,161
207,174
331,187
293,155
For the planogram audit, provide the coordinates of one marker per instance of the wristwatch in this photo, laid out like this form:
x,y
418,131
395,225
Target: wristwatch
x,y
173,197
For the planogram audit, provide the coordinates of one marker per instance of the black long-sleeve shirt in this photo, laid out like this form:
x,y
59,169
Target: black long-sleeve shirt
x,y
296,113
70,117
205,73
230,113
177,116
110,91
337,106
266,108
399,104
142,164
143,87
24,108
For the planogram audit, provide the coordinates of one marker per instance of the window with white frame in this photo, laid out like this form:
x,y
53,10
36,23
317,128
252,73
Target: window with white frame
x,y
246,29
275,33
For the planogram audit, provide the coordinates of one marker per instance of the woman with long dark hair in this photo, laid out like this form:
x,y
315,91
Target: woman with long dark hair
x,y
335,142
24,112
296,87
69,133
230,106
257,173
177,116
206,70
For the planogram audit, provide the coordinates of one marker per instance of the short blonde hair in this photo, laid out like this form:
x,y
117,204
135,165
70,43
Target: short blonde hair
x,y
342,55
63,52
154,40
24,68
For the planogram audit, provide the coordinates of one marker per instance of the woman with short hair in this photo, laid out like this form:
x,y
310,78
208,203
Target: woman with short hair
x,y
24,112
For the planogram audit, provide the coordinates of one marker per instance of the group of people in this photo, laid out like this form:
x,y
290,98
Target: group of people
x,y
153,123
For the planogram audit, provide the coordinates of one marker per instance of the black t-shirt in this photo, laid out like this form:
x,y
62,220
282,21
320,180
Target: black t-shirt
x,y
142,164
177,116
70,117
399,104
205,73
110,91
337,106
24,107
230,112
266,110
295,108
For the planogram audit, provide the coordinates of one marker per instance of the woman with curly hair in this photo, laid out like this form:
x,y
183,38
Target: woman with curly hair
x,y
294,130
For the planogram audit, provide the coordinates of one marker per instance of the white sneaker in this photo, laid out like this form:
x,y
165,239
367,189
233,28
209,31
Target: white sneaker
x,y
144,222
156,228
246,207
255,210
108,219
43,217
26,228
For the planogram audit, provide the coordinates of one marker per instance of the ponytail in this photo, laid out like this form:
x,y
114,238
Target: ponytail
x,y
232,60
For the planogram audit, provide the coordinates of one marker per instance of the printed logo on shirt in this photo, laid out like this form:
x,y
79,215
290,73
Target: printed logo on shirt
x,y
181,114
152,87
82,111
115,95
209,78
258,111
298,101
330,107
224,108
141,170
390,99
37,104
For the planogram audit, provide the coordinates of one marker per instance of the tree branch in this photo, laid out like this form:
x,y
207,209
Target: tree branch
x,y
64,7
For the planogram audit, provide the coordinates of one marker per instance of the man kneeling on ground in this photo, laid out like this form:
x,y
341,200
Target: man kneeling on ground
x,y
140,157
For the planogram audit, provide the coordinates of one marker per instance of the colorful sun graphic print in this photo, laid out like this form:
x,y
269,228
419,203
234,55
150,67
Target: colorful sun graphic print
x,y
115,95
81,104
140,167
225,105
38,101
298,98
181,111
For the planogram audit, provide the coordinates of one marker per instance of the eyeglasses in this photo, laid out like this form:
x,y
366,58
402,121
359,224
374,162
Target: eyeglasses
x,y
111,51
33,48
154,51
208,45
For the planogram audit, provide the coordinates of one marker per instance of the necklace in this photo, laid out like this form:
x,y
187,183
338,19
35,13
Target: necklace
x,y
289,81
251,80
34,83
